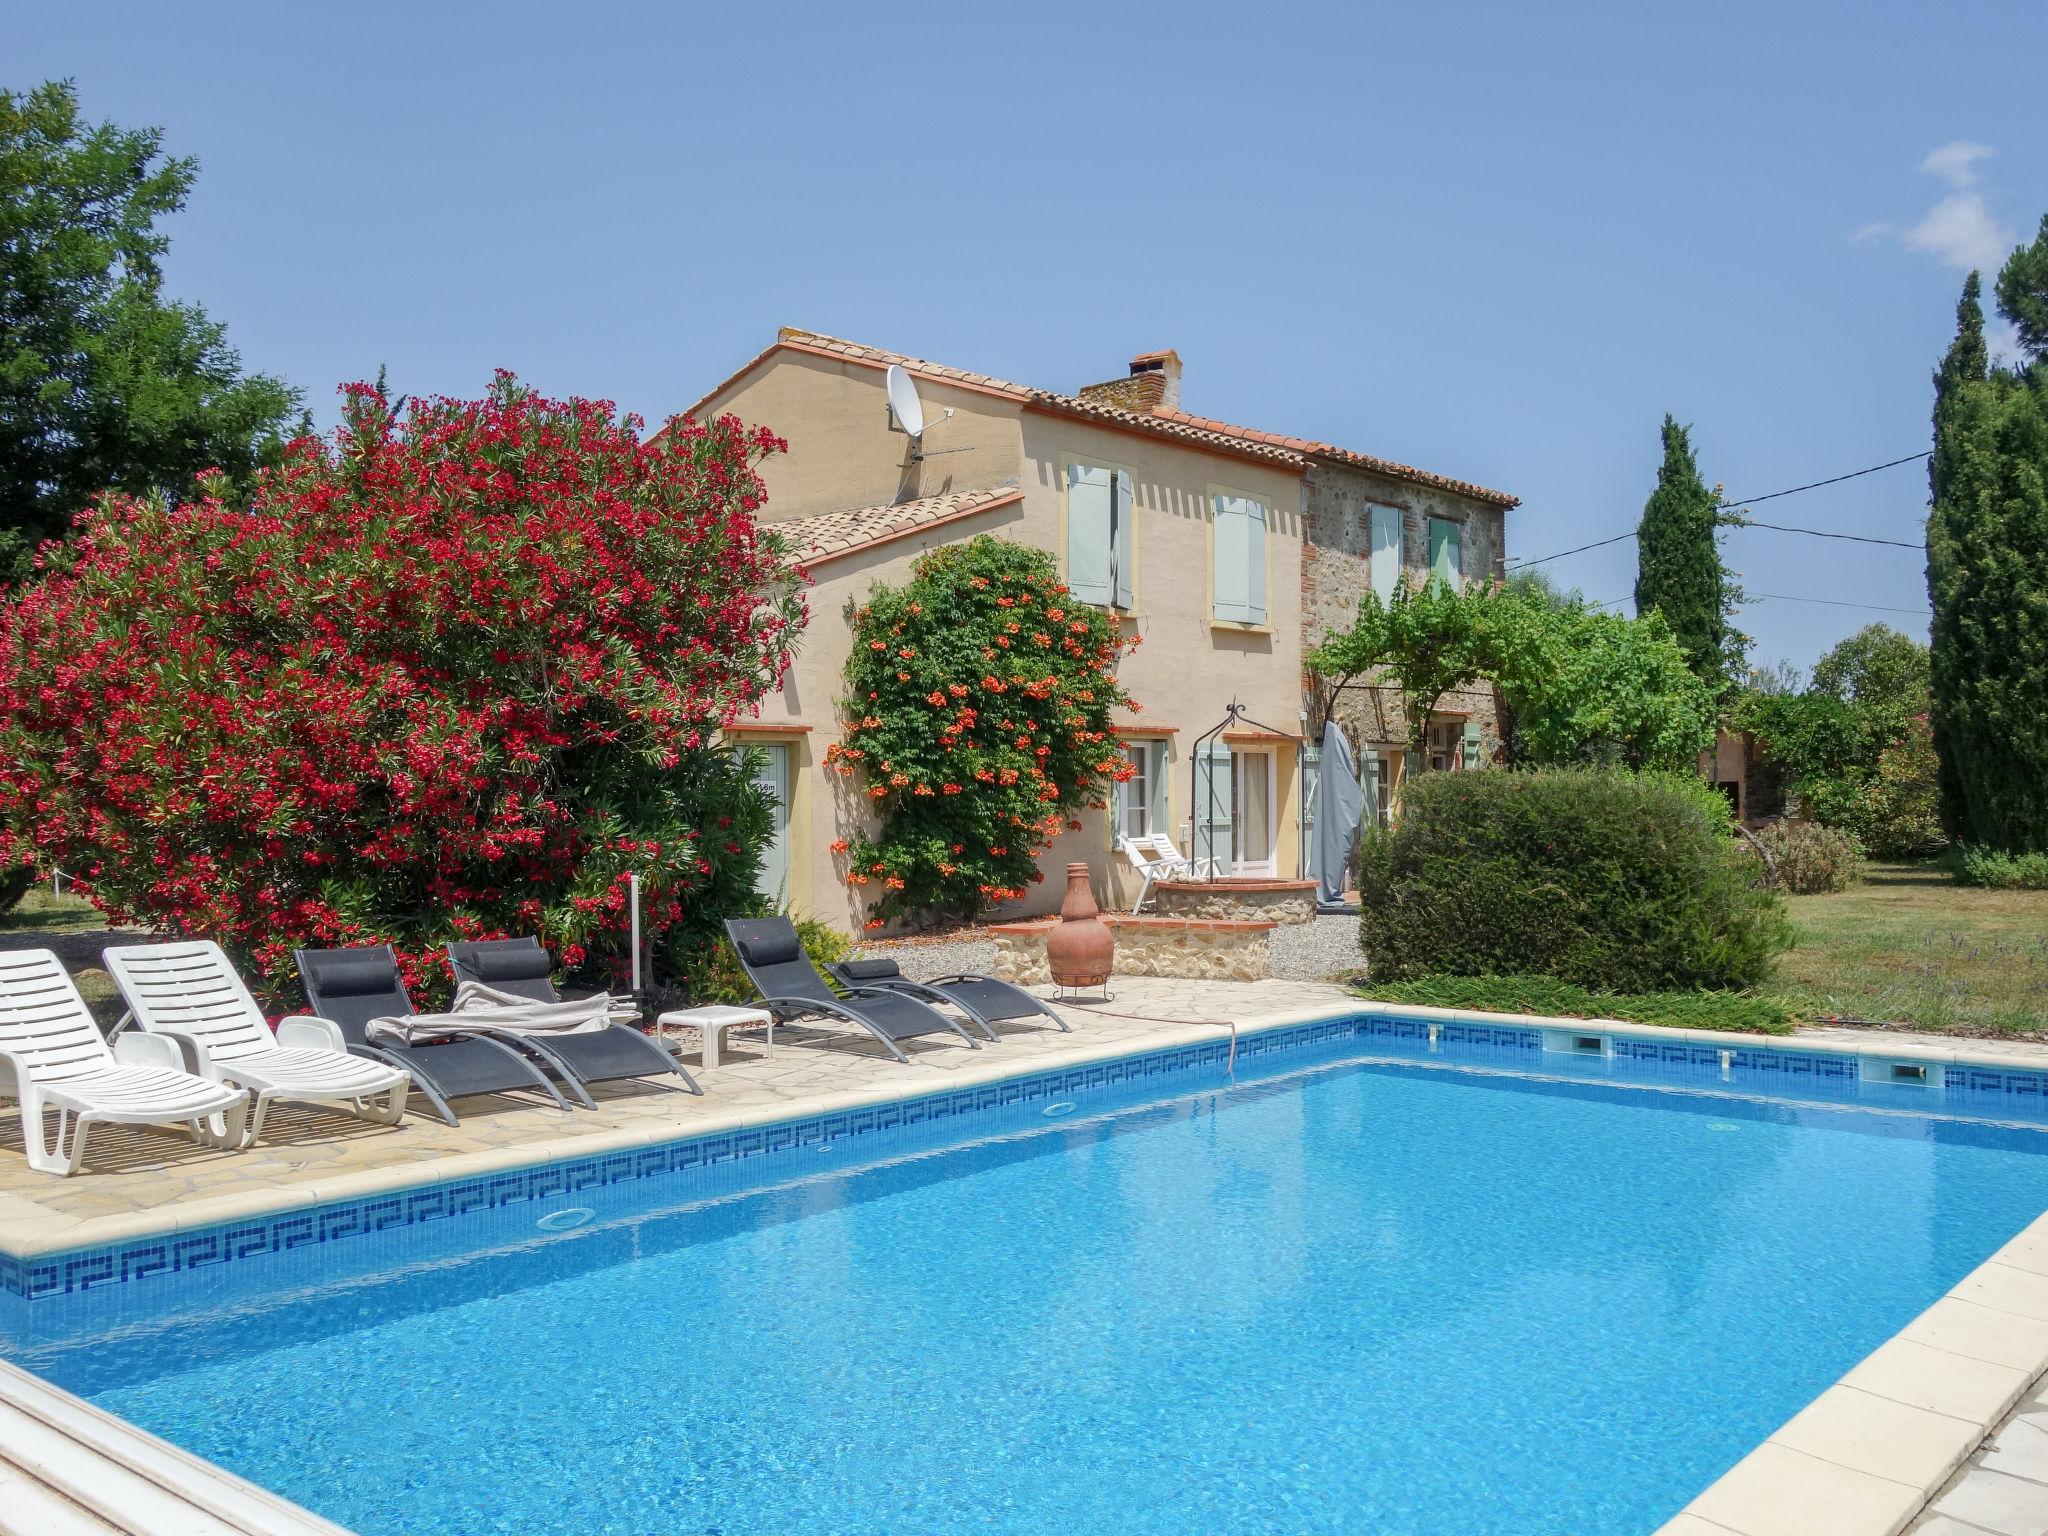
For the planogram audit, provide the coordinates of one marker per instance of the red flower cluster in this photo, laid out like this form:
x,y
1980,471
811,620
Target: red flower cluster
x,y
455,673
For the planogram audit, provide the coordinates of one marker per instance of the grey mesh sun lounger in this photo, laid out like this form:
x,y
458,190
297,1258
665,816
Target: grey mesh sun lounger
x,y
350,987
983,999
793,992
612,1054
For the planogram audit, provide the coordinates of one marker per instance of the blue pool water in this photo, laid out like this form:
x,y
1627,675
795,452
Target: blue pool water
x,y
1367,1297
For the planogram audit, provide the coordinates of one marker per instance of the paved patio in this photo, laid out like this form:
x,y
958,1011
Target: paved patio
x,y
141,1180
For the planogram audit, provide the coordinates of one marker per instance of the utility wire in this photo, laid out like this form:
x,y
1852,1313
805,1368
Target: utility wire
x,y
1837,480
1775,527
1831,602
1817,533
1525,564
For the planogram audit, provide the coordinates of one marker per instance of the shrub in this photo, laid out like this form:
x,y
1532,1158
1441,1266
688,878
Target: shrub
x,y
978,709
15,881
1997,871
719,979
1615,881
1810,859
451,675
1548,997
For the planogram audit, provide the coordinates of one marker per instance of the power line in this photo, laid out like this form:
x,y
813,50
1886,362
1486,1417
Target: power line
x,y
1837,480
1752,501
1525,564
1831,602
1817,533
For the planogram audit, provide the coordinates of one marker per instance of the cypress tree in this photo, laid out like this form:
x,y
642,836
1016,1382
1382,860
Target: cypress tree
x,y
1987,573
1967,361
1678,564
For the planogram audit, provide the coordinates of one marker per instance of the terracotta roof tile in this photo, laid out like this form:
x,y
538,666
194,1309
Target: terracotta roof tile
x,y
828,535
1222,436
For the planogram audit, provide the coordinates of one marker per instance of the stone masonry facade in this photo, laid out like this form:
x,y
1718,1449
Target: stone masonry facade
x,y
1337,570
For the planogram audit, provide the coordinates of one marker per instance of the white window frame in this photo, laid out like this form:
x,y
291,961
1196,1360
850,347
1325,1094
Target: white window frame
x,y
1269,865
1150,755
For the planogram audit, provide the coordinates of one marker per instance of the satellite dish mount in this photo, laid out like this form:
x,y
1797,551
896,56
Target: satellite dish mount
x,y
906,413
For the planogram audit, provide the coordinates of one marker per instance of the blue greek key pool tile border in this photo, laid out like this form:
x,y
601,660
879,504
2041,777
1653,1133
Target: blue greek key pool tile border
x,y
1971,1089
86,1269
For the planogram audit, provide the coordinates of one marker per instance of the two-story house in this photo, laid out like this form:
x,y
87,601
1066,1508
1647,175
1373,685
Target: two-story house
x,y
1194,532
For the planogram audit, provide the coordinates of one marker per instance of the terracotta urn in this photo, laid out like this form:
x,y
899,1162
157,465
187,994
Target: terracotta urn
x,y
1080,947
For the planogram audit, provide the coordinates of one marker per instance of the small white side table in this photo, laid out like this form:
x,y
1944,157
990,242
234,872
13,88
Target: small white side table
x,y
711,1024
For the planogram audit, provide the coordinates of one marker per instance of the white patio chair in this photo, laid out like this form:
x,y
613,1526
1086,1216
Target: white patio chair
x,y
190,995
1154,858
52,1056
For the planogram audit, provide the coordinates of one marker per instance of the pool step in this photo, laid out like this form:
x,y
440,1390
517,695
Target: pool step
x,y
70,1469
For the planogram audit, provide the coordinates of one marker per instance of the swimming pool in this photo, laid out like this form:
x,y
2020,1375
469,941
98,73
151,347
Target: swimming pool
x,y
1343,1292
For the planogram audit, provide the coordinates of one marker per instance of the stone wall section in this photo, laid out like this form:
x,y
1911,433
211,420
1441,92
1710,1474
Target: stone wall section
x,y
1146,946
1336,571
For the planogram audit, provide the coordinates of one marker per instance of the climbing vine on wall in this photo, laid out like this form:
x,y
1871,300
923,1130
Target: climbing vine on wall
x,y
977,724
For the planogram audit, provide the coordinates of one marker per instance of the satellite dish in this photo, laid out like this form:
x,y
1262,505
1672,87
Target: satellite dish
x,y
903,402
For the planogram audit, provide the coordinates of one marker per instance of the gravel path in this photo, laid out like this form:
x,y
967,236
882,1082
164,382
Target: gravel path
x,y
1317,950
923,959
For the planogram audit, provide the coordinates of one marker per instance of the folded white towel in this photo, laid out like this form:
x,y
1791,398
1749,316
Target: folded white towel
x,y
477,1006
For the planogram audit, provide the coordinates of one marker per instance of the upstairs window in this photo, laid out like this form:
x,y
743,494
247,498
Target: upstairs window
x,y
1446,550
1239,559
1100,515
1386,551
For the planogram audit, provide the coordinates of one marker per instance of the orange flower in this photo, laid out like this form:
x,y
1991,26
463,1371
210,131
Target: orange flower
x,y
839,845
872,924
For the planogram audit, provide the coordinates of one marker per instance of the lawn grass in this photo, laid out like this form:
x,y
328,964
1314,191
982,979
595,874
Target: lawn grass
x,y
40,912
1912,949
1908,948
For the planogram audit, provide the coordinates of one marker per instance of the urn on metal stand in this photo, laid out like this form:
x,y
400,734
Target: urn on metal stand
x,y
1080,949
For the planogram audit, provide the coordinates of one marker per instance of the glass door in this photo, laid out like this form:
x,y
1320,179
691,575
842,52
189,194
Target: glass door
x,y
1251,813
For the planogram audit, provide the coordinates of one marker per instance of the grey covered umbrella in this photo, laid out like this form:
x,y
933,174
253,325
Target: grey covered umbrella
x,y
1340,806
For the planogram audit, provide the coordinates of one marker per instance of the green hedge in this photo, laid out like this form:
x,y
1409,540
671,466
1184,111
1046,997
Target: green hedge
x,y
1615,881
1549,997
1999,871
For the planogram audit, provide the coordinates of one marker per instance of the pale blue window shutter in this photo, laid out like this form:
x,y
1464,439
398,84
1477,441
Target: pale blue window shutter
x,y
1470,754
1240,560
1446,550
1386,551
1125,518
1088,533
1162,788
1211,810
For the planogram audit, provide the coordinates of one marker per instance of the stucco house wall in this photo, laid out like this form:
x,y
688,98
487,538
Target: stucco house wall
x,y
1187,668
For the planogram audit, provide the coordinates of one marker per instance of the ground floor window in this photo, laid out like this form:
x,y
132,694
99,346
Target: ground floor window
x,y
1139,809
772,779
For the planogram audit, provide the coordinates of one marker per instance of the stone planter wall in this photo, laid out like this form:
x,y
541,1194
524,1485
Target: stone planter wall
x,y
1262,901
1201,949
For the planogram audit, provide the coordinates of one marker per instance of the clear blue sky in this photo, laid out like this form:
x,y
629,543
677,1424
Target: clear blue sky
x,y
1499,242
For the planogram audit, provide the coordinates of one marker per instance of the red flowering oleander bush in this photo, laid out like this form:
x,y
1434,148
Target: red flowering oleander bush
x,y
454,673
978,711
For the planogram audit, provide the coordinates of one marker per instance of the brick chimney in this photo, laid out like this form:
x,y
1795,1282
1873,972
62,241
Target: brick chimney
x,y
1153,384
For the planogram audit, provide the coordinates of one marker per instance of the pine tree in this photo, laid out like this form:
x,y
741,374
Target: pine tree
x,y
1987,571
1678,564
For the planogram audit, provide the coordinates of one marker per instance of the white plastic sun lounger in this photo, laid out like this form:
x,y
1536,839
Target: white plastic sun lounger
x,y
189,995
53,1057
